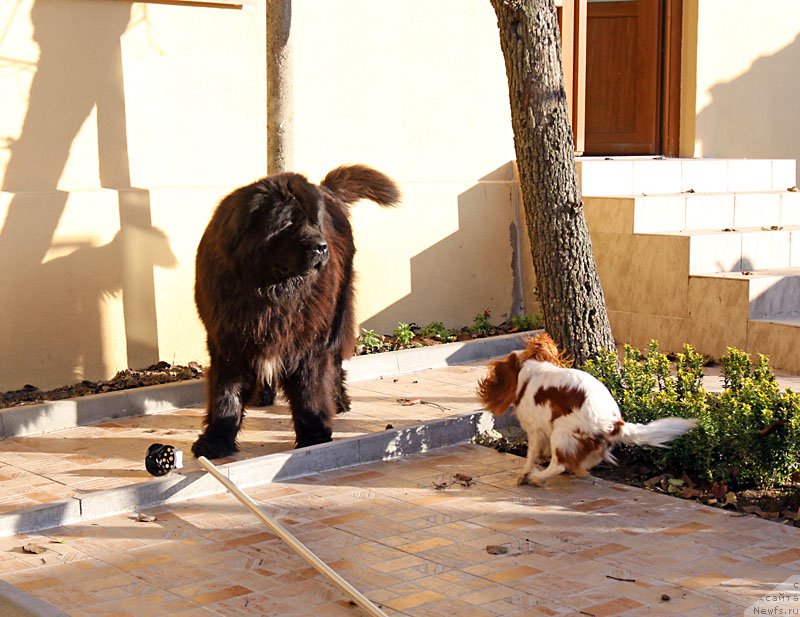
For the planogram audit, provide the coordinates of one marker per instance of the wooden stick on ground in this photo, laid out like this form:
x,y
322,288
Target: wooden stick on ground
x,y
280,531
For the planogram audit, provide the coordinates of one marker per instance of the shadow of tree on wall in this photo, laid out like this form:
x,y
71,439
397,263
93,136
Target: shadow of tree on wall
x,y
764,100
79,70
476,267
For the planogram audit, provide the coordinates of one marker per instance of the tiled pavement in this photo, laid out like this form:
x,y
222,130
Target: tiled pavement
x,y
576,547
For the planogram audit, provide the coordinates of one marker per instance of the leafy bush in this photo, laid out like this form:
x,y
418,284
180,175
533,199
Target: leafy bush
x,y
403,335
371,341
481,324
748,435
526,322
438,331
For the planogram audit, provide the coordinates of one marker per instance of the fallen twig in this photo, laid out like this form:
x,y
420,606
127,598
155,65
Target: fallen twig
x,y
407,402
624,580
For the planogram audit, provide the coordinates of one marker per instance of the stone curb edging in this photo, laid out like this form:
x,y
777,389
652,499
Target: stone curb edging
x,y
69,413
16,603
178,487
363,368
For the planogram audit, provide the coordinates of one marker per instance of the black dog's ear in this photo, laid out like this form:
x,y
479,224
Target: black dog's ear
x,y
233,224
233,216
255,203
302,190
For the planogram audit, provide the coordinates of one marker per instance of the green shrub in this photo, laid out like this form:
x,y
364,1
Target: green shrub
x,y
481,324
371,341
403,335
438,331
526,322
748,435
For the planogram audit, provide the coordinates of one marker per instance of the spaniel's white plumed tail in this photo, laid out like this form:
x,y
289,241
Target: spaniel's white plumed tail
x,y
656,433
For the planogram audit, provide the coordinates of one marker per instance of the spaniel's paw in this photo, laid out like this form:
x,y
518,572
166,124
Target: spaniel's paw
x,y
531,479
527,479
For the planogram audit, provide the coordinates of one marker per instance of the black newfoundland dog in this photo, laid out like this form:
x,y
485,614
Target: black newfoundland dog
x,y
274,289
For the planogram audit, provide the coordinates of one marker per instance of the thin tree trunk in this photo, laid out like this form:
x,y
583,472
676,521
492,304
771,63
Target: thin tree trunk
x,y
569,289
280,111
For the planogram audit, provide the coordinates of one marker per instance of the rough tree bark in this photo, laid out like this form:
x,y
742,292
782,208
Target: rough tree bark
x,y
569,288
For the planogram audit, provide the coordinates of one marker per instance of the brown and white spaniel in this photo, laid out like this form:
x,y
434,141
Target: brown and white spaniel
x,y
568,414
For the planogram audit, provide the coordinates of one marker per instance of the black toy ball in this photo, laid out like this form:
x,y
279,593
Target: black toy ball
x,y
162,458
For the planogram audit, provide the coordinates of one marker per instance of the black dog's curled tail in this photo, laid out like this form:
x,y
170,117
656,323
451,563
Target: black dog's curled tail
x,y
354,182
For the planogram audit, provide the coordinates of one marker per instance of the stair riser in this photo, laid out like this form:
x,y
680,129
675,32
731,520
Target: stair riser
x,y
775,298
776,341
691,212
653,256
643,273
735,252
650,274
601,177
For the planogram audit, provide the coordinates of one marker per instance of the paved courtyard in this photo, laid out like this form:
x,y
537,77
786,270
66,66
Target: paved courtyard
x,y
577,547
405,532
39,469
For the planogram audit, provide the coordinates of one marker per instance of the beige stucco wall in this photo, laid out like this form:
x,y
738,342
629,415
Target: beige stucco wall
x,y
122,124
741,92
417,89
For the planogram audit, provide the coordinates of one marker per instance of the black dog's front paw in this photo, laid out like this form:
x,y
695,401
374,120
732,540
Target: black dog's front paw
x,y
313,439
212,447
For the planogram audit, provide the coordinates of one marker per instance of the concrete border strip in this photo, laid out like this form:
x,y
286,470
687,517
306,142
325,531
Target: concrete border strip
x,y
16,603
278,467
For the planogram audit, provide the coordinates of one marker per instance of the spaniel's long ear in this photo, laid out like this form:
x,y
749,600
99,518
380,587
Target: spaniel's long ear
x,y
498,390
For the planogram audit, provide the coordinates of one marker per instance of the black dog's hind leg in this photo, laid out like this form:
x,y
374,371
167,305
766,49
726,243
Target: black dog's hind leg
x,y
228,387
341,399
309,389
265,396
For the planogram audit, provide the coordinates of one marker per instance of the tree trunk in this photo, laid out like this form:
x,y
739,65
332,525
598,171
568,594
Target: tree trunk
x,y
280,111
569,289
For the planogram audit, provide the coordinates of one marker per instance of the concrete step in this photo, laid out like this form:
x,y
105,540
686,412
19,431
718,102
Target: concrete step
x,y
649,273
692,211
776,338
609,176
770,294
757,312
741,249
712,332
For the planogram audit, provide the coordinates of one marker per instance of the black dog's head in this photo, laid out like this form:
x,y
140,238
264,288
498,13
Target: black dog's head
x,y
276,229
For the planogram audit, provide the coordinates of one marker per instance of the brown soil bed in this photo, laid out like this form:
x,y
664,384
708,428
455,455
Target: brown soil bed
x,y
124,380
163,372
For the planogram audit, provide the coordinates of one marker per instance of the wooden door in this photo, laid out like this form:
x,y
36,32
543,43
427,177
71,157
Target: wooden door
x,y
624,55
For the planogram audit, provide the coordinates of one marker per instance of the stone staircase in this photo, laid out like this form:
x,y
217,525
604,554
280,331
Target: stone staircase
x,y
700,251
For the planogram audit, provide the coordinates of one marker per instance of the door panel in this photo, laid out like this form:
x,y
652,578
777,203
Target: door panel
x,y
623,77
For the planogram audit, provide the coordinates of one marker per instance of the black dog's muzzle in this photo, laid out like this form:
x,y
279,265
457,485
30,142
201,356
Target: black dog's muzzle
x,y
318,255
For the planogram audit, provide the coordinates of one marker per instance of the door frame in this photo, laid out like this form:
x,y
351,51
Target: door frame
x,y
573,53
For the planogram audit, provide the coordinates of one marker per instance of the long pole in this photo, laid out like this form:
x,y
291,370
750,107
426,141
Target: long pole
x,y
280,531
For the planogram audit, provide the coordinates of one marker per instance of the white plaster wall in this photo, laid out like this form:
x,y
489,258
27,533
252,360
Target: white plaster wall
x,y
747,62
